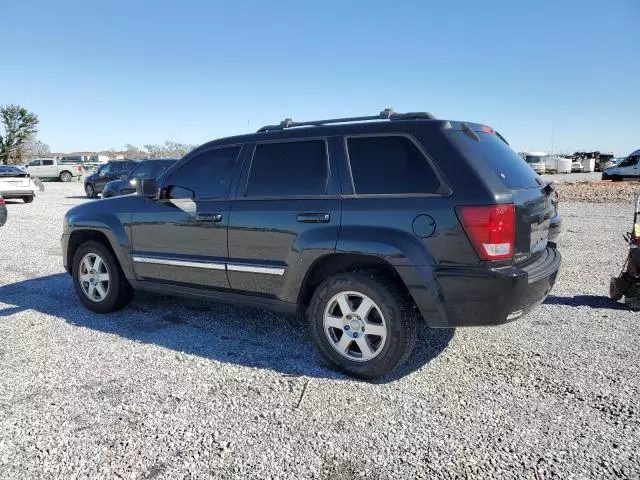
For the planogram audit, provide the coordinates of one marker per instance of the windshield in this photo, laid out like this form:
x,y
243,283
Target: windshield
x,y
9,169
534,159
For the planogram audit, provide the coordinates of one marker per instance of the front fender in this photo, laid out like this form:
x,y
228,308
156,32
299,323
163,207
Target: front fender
x,y
116,227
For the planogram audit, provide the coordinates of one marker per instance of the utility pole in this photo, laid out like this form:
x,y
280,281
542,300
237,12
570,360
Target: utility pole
x,y
553,138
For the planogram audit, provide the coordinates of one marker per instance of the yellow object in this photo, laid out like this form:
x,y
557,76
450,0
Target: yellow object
x,y
636,230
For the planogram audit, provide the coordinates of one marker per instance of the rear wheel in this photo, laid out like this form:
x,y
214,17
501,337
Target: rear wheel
x,y
66,176
90,191
98,279
362,324
27,199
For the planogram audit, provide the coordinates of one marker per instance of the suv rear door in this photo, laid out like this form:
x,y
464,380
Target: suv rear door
x,y
286,214
181,238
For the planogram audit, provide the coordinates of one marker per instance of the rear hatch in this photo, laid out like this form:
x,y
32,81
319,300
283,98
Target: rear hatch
x,y
530,196
13,177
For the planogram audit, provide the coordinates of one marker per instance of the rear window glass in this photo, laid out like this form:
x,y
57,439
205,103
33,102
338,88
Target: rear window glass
x,y
389,165
513,170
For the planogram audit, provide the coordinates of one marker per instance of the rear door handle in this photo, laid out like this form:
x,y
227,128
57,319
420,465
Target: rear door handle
x,y
314,217
208,217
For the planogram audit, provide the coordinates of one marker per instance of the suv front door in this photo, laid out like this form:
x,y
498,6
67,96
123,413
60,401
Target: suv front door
x,y
181,238
286,214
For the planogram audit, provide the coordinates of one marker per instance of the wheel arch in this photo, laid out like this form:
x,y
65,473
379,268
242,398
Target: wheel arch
x,y
334,263
108,238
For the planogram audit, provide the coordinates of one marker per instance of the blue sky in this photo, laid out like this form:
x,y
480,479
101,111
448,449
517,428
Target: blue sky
x,y
100,76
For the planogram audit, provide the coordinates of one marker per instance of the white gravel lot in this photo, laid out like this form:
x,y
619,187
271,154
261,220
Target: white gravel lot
x,y
572,177
171,388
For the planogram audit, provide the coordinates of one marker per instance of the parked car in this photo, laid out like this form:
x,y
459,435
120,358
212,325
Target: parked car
x,y
127,183
3,212
627,168
49,168
576,167
349,220
93,184
16,183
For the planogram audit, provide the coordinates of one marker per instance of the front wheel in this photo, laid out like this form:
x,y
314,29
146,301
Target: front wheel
x,y
616,178
98,279
66,177
362,324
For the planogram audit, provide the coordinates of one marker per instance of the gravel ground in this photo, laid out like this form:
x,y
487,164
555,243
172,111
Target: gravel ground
x,y
572,177
171,389
599,192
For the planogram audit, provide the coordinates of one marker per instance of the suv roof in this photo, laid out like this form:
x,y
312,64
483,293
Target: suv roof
x,y
383,122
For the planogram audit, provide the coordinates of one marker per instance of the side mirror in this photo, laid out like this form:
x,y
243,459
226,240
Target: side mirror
x,y
147,188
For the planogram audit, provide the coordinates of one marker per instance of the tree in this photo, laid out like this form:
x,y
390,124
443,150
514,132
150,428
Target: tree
x,y
33,149
20,125
112,154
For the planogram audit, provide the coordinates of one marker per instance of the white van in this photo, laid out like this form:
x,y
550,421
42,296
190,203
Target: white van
x,y
629,168
536,160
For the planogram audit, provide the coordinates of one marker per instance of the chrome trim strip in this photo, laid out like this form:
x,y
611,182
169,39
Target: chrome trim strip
x,y
251,269
180,263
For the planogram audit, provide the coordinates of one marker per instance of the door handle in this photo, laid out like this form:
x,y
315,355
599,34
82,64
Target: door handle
x,y
314,217
208,217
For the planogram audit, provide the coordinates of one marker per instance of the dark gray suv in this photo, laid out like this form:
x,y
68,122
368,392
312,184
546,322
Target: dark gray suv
x,y
366,224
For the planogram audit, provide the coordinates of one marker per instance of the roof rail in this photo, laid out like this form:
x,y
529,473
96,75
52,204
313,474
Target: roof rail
x,y
386,114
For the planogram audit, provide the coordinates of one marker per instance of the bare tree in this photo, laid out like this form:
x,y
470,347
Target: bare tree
x,y
34,149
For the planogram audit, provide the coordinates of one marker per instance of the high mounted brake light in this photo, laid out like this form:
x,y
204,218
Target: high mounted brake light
x,y
491,229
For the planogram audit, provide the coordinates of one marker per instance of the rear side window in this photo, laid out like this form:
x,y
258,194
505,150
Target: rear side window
x,y
513,170
207,175
389,165
288,168
47,162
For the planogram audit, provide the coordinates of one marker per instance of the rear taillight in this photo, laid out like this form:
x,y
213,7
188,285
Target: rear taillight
x,y
1,201
491,229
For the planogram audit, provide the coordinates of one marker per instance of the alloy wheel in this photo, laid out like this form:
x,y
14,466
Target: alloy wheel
x,y
94,277
355,326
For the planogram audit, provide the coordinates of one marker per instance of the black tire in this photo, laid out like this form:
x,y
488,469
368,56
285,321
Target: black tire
x,y
392,303
65,176
27,199
616,178
605,177
119,293
90,191
614,292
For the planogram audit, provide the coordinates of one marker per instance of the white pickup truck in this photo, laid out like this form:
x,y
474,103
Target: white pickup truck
x,y
53,168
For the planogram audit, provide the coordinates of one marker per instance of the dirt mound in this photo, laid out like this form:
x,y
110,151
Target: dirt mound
x,y
598,192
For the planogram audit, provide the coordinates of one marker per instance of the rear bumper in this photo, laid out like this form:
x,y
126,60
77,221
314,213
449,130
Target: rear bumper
x,y
27,192
555,227
460,297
